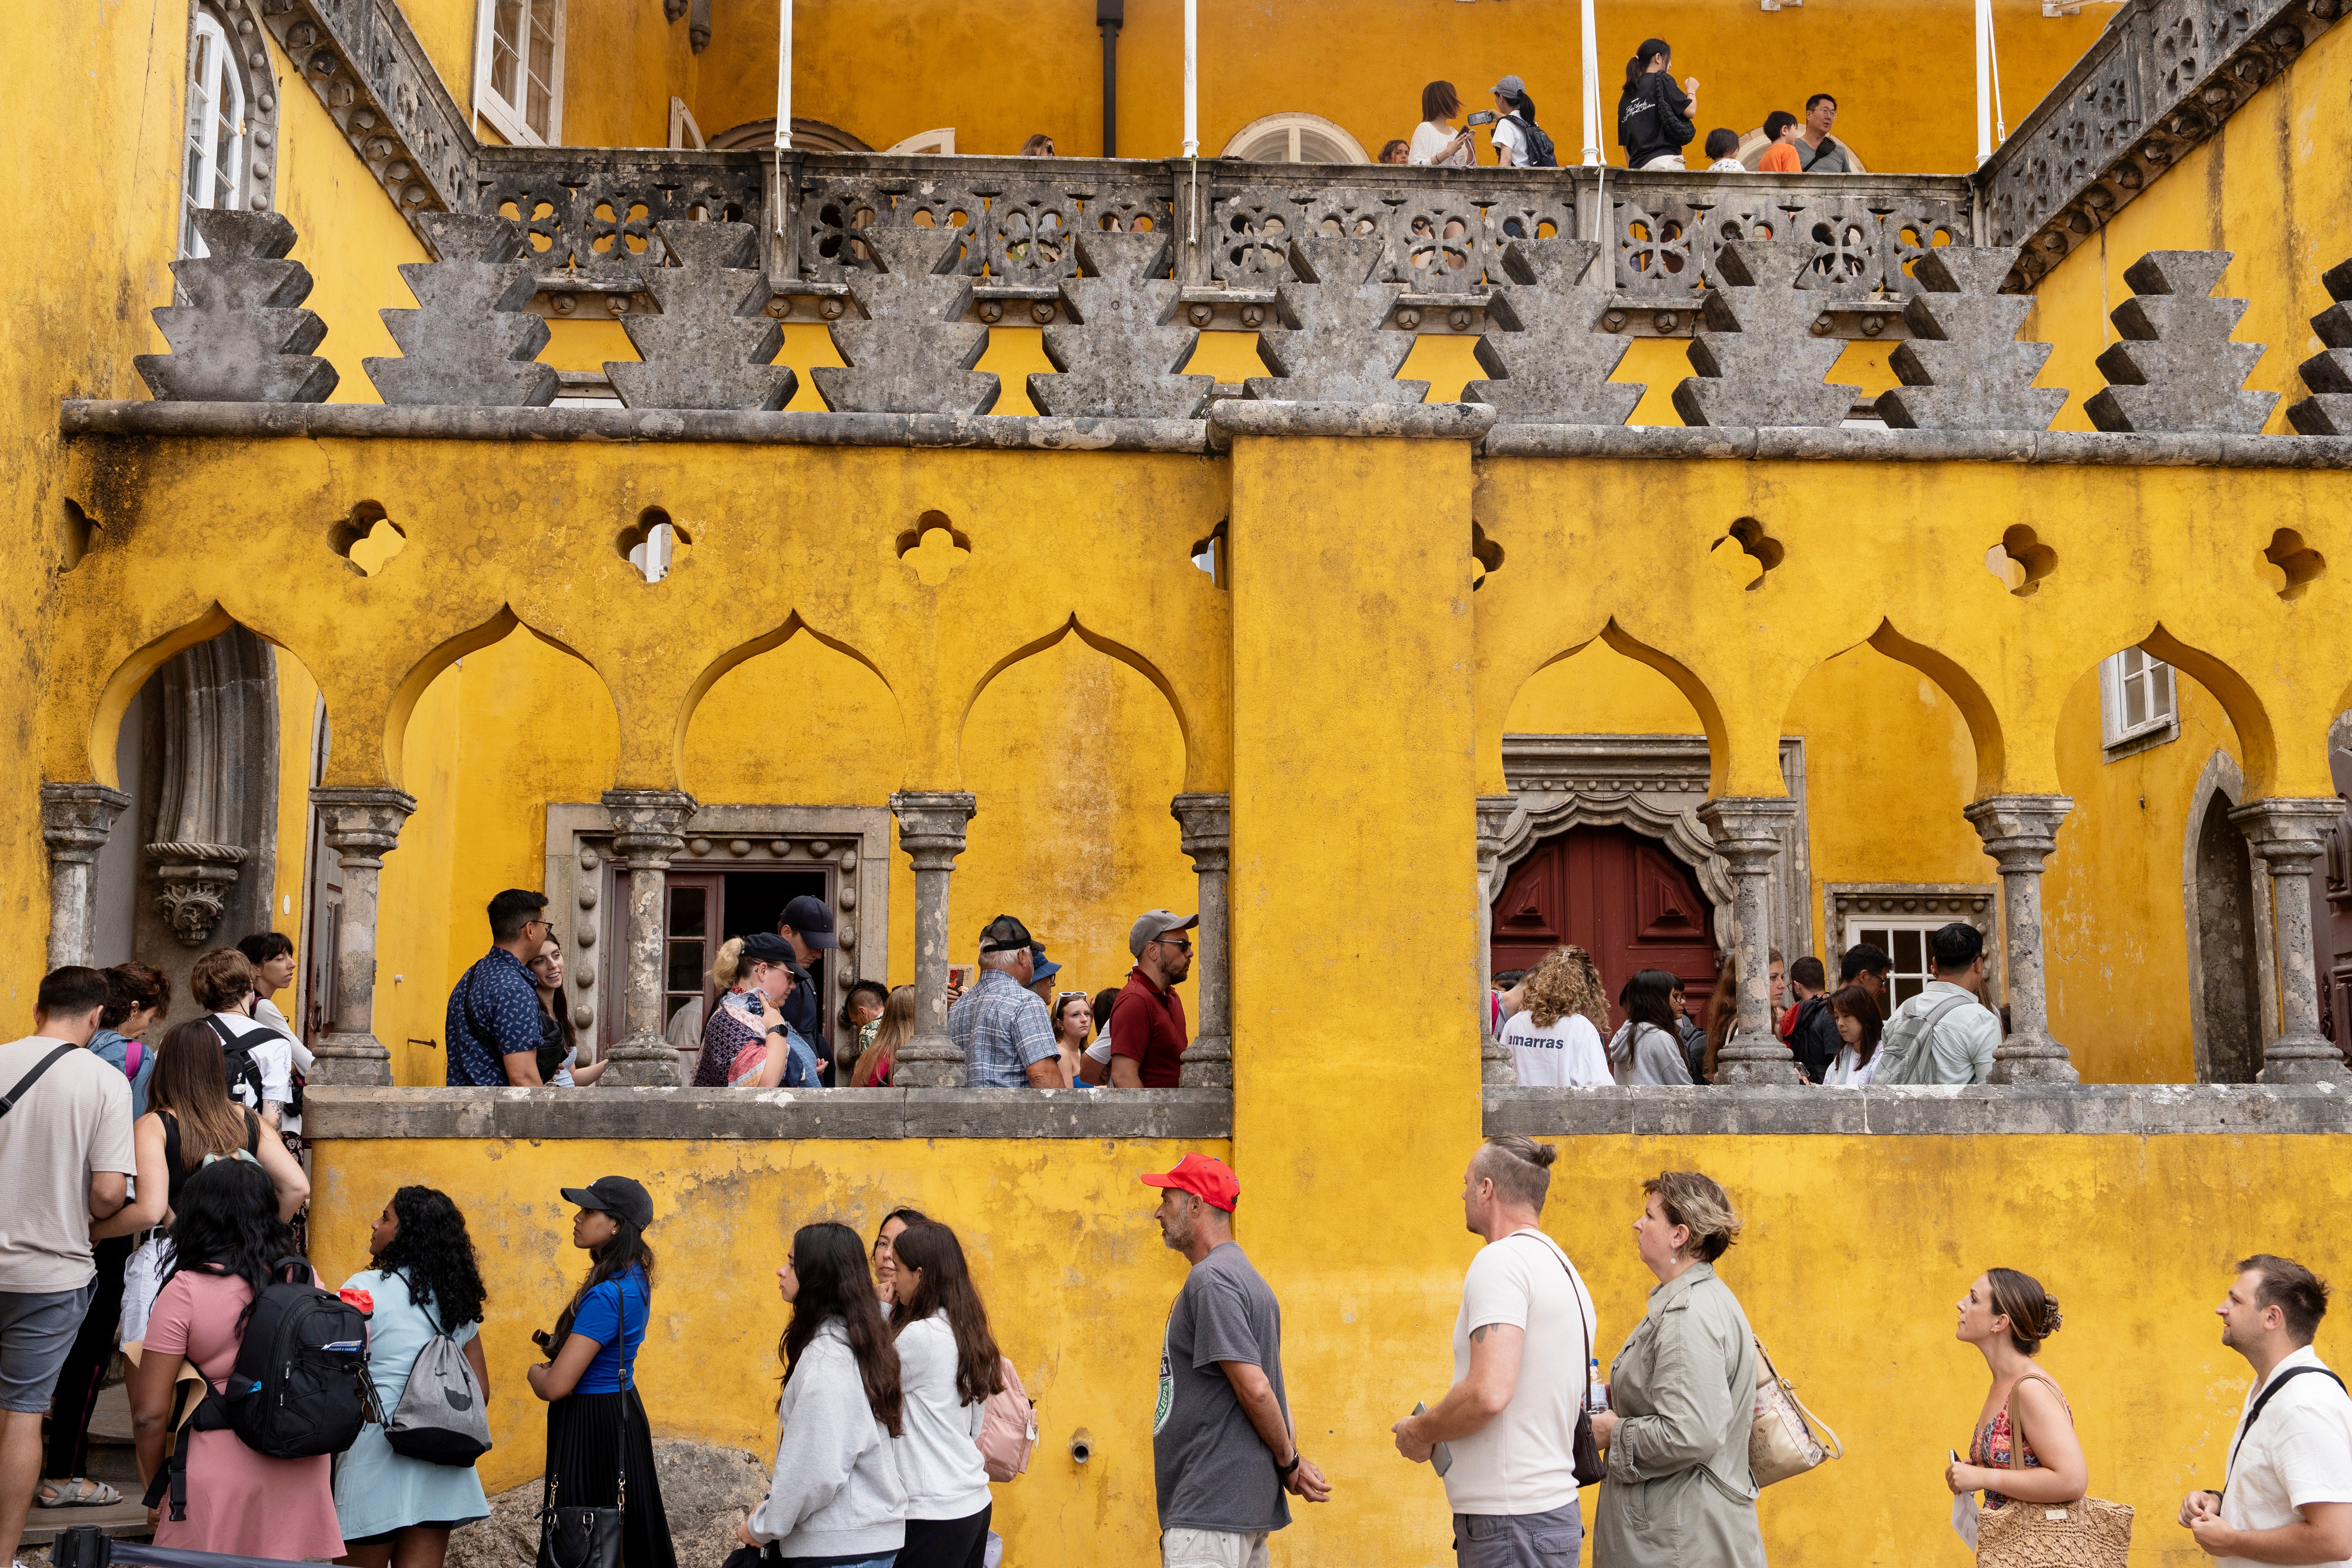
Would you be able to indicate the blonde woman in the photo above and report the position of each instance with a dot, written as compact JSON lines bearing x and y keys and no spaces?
{"x":1556,"y":1040}
{"x":897,"y":1026}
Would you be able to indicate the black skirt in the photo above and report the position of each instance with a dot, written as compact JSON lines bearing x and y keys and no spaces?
{"x":593,"y":1440}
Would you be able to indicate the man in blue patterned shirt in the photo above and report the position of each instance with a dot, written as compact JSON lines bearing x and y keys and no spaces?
{"x":493,"y":1026}
{"x":1000,"y":1026}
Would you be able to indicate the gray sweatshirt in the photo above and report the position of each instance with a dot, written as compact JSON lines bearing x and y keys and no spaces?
{"x":1644,"y":1053}
{"x":835,"y":1492}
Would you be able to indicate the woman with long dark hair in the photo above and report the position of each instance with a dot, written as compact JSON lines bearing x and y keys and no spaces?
{"x":1859,"y":1025}
{"x":886,"y":1258}
{"x":835,"y":1496}
{"x":1645,"y":1048}
{"x":228,"y":1236}
{"x":948,"y":1366}
{"x":1656,"y":117}
{"x":600,"y":1448}
{"x":191,"y":1120}
{"x":397,"y":1511}
{"x":559,"y":1036}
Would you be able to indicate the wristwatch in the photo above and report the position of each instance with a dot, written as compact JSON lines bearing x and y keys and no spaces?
{"x":777,"y":1030}
{"x":1286,"y":1471}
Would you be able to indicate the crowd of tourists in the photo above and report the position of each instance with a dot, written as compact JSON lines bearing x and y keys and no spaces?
{"x":275,"y":1417}
{"x":1553,"y":1018}
{"x":1657,"y":120}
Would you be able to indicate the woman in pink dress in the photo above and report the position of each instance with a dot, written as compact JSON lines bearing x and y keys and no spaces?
{"x":226,"y":1237}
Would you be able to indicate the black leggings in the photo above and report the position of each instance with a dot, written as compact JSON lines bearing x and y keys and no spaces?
{"x":946,"y":1542}
{"x":85,"y":1364}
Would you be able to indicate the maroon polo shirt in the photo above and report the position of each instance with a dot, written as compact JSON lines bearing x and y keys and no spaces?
{"x":1150,"y":1030}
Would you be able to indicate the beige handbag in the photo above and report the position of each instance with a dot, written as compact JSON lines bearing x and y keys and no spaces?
{"x":1782,"y":1443}
{"x":2089,"y":1532}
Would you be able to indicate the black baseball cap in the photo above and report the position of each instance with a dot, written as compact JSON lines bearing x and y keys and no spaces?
{"x":621,"y":1196}
{"x":1004,"y":935}
{"x":766,"y":947}
{"x":811,"y":920}
{"x":1864,"y":958}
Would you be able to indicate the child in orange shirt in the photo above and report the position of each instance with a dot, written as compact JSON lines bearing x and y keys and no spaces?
{"x":1781,"y":128}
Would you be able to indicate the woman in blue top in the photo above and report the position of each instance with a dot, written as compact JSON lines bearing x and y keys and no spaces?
{"x":600,"y":1449}
{"x":397,"y":1511}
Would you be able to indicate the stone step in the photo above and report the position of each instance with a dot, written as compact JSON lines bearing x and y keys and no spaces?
{"x":127,"y":1518}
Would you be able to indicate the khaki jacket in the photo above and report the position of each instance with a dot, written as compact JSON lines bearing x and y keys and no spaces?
{"x":1678,"y":1492}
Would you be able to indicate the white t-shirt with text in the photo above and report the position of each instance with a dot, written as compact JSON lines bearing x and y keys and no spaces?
{"x":2300,"y":1452}
{"x":1569,"y":1053}
{"x":1524,"y":1460}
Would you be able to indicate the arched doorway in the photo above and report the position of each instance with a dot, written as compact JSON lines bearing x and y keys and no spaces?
{"x":1618,"y":894}
{"x":2226,"y":954}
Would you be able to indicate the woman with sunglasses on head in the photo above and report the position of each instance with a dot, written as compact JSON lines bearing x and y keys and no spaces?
{"x":836,"y":1498}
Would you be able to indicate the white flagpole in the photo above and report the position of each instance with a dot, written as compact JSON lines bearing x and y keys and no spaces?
{"x":1191,"y":78}
{"x":1984,"y":81}
{"x":1592,"y":90}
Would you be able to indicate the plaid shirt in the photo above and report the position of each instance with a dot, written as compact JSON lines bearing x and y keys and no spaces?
{"x":1000,"y":1028}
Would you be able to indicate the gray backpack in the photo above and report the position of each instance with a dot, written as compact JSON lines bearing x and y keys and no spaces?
{"x":441,"y":1417}
{"x":1904,"y":1056}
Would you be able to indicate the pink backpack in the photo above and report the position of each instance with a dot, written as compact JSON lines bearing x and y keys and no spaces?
{"x":1008,"y":1427}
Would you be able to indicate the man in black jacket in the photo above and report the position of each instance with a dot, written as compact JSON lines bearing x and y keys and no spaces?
{"x":1812,"y":1034}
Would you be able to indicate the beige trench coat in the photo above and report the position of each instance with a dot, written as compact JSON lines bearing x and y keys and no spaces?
{"x":1678,"y":1492}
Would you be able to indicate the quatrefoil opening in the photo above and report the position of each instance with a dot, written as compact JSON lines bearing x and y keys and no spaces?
{"x":1759,"y":546}
{"x":2021,"y":560}
{"x":933,"y":548}
{"x":367,"y":538}
{"x":653,"y":545}
{"x":1486,"y":553}
{"x":2300,"y":563}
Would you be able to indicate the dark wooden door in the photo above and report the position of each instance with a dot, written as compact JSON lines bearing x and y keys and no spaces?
{"x":1619,"y":896}
{"x":2331,"y":915}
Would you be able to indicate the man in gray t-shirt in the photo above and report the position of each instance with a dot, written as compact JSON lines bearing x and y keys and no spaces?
{"x":1222,"y":1446}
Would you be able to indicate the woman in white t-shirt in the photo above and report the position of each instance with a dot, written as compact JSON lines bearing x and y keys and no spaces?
{"x":1858,"y":1024}
{"x":1435,"y":142}
{"x":1556,"y":1041}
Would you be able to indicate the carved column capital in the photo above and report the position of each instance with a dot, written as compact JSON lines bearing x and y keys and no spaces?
{"x":1207,"y":825}
{"x":362,"y":823}
{"x":74,"y":821}
{"x":1747,"y":834}
{"x":649,"y":825}
{"x":2020,"y":831}
{"x":2289,"y":832}
{"x":932,"y":826}
{"x":1495,"y":1066}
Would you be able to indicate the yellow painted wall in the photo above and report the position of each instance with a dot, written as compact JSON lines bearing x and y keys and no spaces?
{"x":1902,"y":69}
{"x":2269,"y":186}
{"x":1854,"y":1251}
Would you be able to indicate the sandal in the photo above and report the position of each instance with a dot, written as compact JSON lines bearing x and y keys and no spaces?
{"x":79,"y":1492}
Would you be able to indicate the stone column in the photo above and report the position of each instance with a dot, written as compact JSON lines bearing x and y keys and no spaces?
{"x":648,"y":828}
{"x":2288,"y":834}
{"x":1208,"y":824}
{"x":361,"y":824}
{"x":931,"y":831}
{"x":2019,"y":832}
{"x":1746,"y":832}
{"x":75,"y":820}
{"x":1495,"y":1064}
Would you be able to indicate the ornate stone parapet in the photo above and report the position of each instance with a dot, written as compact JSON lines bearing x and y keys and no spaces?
{"x":931,"y":834}
{"x":1207,"y":821}
{"x":1495,"y":1064}
{"x":361,"y":824}
{"x":2019,"y":832}
{"x":76,"y":819}
{"x":383,"y":94}
{"x":648,"y":828}
{"x":2287,"y":833}
{"x":1748,"y":833}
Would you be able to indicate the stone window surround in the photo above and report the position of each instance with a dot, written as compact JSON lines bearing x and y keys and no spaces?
{"x":578,"y":893}
{"x":248,"y":55}
{"x":1979,"y":903}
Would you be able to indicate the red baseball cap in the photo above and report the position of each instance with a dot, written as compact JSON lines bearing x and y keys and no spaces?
{"x":1209,"y":1180}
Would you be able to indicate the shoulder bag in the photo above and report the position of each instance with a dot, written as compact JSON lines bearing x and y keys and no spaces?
{"x":2261,"y":1402}
{"x":1589,"y":1470}
{"x":1782,"y":1443}
{"x":24,"y":1085}
{"x":584,"y":1537}
{"x":2089,"y":1532}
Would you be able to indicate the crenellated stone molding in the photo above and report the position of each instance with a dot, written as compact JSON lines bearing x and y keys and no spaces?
{"x":2023,"y":1110}
{"x":366,"y":66}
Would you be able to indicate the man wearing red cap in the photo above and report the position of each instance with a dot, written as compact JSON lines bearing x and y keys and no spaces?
{"x":1222,"y":1446}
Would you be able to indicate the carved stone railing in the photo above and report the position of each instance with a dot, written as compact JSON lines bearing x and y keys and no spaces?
{"x":2162,"y":78}
{"x":366,"y":63}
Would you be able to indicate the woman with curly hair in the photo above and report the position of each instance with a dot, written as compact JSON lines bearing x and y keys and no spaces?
{"x":1556,"y":1040}
{"x":398,"y":1511}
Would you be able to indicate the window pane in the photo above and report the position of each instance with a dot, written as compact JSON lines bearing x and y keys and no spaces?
{"x":686,"y":913}
{"x":686,"y":967}
{"x":1909,"y":951}
{"x":506,"y":50}
{"x":536,"y":113}
{"x":2135,"y":701}
{"x":2163,"y":700}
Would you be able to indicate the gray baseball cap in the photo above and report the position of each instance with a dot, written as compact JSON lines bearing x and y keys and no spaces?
{"x":1511,"y":87}
{"x":1156,"y":923}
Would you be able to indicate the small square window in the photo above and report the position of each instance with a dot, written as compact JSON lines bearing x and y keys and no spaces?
{"x":2139,"y":703}
{"x":519,"y":69}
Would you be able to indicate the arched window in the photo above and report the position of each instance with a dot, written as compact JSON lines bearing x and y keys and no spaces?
{"x":213,"y":172}
{"x":1294,"y":138}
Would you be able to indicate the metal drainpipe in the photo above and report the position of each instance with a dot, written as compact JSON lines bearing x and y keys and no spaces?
{"x":1110,"y":16}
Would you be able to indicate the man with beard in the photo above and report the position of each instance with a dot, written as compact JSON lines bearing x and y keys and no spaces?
{"x":1148,"y":1050}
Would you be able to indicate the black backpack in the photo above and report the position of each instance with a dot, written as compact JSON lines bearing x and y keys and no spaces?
{"x":243,"y":1070}
{"x":300,"y":1387}
{"x":1542,"y":153}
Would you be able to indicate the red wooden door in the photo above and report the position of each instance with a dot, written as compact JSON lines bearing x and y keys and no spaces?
{"x":1621,"y":897}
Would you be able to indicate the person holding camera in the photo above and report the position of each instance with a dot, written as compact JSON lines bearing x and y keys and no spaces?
{"x":600,"y":1448}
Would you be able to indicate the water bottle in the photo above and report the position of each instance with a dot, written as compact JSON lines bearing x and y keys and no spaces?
{"x":1599,"y":1398}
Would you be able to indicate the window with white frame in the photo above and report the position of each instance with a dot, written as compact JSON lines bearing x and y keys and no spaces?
{"x":1294,"y":138}
{"x":213,"y":172}
{"x":1904,"y":942}
{"x":2138,"y":702}
{"x":519,"y":69}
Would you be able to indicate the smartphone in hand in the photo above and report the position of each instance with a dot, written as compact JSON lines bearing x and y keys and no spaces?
{"x":1481,"y":117}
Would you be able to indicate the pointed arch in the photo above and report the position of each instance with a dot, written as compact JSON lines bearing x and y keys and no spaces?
{"x":742,"y":653}
{"x":425,"y":670}
{"x":1693,"y":691}
{"x":1100,"y":644}
{"x":2249,"y":716}
{"x":132,"y":674}
{"x":1976,"y":707}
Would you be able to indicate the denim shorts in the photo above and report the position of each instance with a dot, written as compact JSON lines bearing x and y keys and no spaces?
{"x":1519,"y":1540}
{"x":36,"y":1329}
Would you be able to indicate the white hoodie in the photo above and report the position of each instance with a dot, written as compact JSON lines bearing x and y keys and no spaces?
{"x":938,"y":1458}
{"x":835,"y":1492}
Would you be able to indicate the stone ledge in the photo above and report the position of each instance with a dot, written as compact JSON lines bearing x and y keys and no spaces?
{"x":2083,"y":447}
{"x":699,"y":1114}
{"x":78,"y":417}
{"x":1412,"y":420}
{"x":2122,"y":1110}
